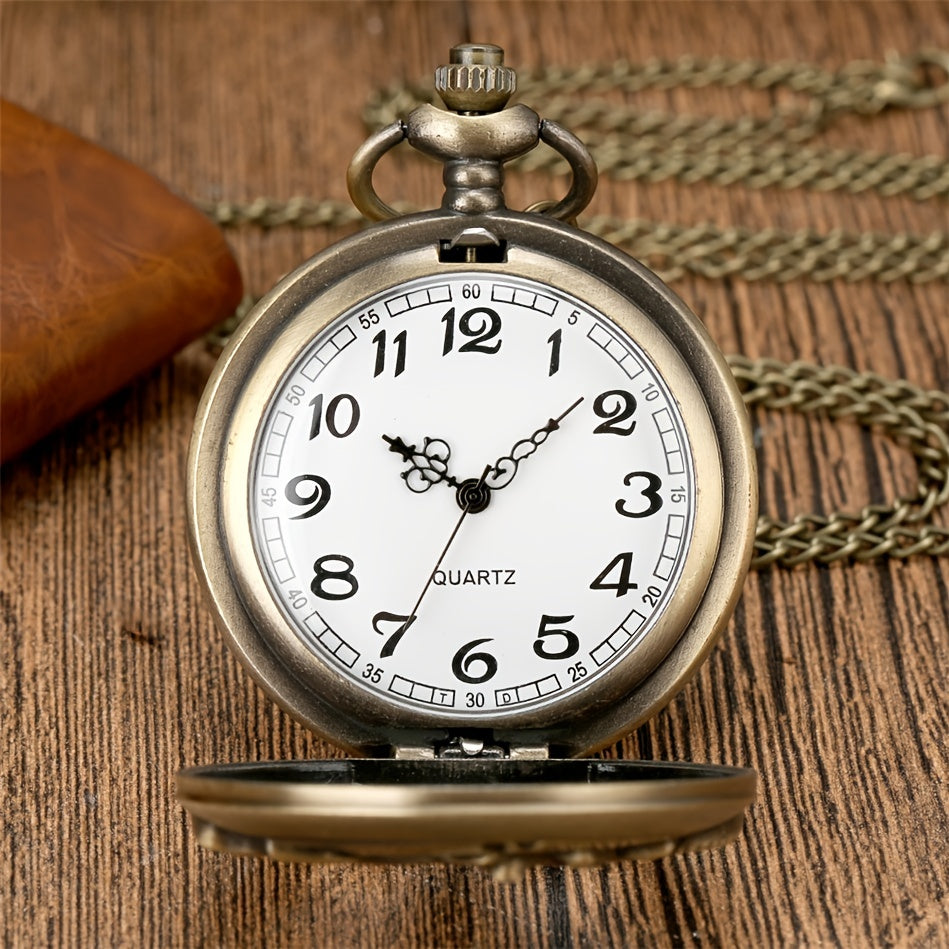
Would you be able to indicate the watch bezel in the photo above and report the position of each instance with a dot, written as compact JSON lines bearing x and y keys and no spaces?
{"x":254,"y":363}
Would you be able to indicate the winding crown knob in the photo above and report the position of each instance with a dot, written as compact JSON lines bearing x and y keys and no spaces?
{"x":476,"y":79}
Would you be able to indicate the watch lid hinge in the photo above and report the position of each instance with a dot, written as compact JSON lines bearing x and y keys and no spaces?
{"x":457,"y":747}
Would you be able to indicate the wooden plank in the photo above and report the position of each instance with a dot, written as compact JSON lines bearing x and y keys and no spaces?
{"x":828,"y":681}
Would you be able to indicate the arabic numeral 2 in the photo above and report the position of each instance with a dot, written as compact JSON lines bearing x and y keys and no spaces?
{"x":479,"y":325}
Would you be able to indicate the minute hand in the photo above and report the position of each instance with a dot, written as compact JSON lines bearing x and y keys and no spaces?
{"x":503,"y":470}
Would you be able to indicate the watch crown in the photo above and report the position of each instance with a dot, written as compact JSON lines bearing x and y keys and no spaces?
{"x":476,"y":79}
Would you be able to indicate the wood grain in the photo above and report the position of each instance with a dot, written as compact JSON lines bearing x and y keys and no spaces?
{"x":829,"y":681}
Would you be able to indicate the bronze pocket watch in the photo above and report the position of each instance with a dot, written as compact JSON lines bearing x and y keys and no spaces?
{"x":471,"y":493}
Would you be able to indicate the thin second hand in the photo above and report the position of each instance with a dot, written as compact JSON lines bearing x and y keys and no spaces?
{"x":461,"y":521}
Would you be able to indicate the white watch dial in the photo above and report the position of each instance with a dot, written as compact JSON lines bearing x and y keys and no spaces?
{"x":382,"y":442}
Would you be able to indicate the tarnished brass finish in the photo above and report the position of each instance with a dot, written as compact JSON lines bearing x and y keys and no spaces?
{"x":287,"y":319}
{"x":504,"y":816}
{"x":474,"y":141}
{"x":491,"y":788}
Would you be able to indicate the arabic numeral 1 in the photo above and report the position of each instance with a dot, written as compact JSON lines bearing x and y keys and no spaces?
{"x":399,"y":341}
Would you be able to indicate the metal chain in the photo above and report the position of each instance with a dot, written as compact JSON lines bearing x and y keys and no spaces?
{"x":629,"y":144}
{"x":650,"y":146}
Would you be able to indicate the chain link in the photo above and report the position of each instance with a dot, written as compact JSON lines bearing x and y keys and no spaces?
{"x":756,"y":152}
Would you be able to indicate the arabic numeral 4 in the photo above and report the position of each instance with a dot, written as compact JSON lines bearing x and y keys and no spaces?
{"x":620,"y":567}
{"x":577,"y":671}
{"x":297,"y":599}
{"x":268,"y":496}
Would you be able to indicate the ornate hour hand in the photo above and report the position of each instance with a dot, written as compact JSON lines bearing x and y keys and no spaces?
{"x":503,"y":470}
{"x":428,"y":464}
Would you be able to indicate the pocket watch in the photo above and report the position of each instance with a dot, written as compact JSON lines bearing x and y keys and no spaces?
{"x":471,"y":494}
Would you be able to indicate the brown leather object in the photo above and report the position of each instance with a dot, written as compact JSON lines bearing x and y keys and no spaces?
{"x":104,"y":274}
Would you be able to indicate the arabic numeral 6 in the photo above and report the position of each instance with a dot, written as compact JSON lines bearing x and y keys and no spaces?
{"x":372,"y":673}
{"x":268,"y":496}
{"x":294,"y":394}
{"x":577,"y":671}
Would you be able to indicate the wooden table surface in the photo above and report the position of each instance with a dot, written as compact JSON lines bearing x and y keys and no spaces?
{"x":831,"y":682}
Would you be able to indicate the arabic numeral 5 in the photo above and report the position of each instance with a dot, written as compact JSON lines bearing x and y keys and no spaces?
{"x":369,"y":318}
{"x":294,"y":394}
{"x":577,"y":671}
{"x":373,"y":673}
{"x":268,"y":496}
